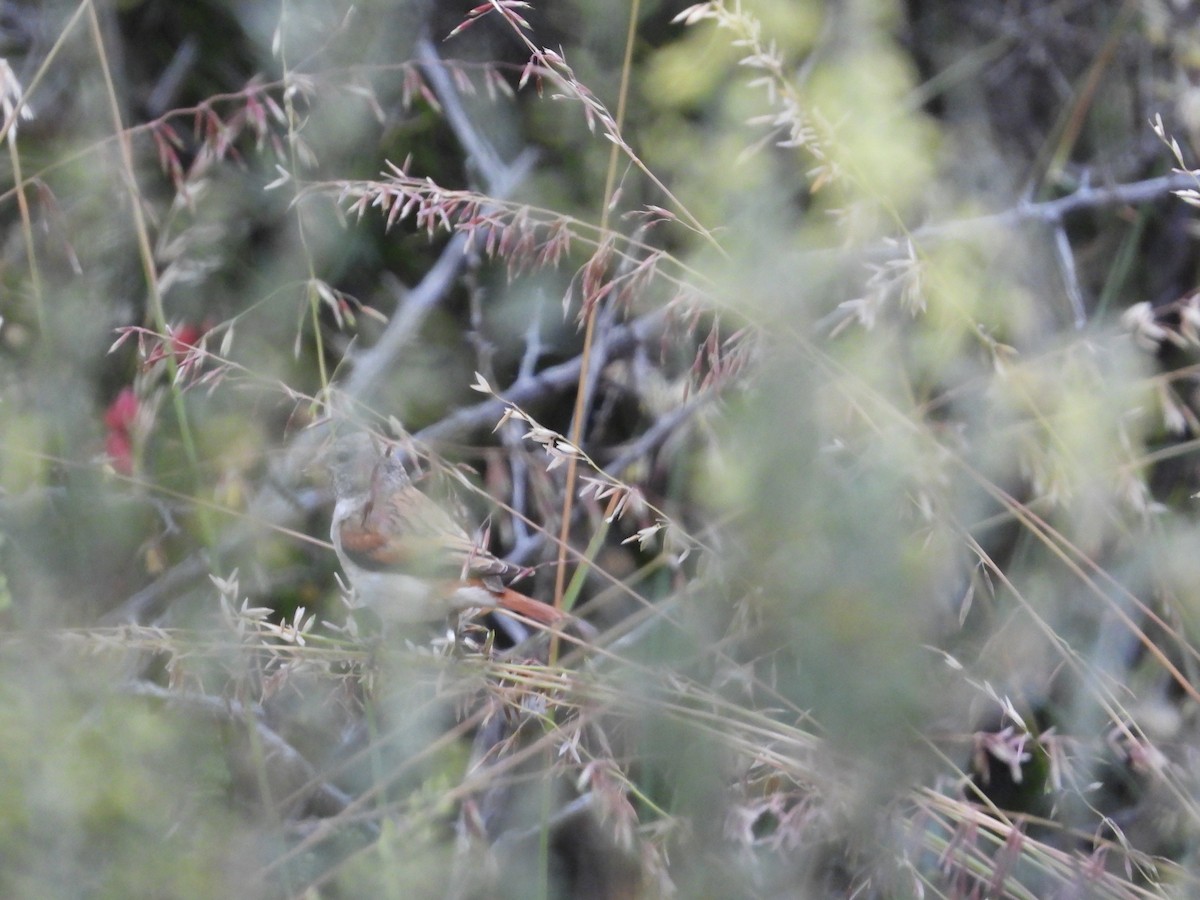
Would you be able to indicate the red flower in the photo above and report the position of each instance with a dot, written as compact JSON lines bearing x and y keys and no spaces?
{"x":182,"y":339}
{"x":185,"y":338}
{"x":118,"y":419}
{"x":118,"y":446}
{"x":120,"y":413}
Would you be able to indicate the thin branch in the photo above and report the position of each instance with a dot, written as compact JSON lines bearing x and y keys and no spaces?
{"x":1052,"y":211}
{"x":1049,"y":212}
{"x":371,"y":366}
{"x":1066,"y":264}
{"x":621,"y":341}
{"x":512,"y":436}
{"x":656,"y":434}
{"x":500,"y":179}
{"x":479,"y":150}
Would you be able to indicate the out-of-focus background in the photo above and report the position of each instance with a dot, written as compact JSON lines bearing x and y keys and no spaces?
{"x":855,"y":343}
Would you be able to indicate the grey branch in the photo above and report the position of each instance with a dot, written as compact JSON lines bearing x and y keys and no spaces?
{"x":500,"y":179}
{"x":622,"y":340}
{"x":1052,"y":212}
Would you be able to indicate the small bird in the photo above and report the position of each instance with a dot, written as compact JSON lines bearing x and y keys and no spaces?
{"x":404,"y":555}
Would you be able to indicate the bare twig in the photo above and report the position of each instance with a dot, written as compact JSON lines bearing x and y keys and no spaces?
{"x":511,"y":435}
{"x":162,"y":98}
{"x":371,"y":366}
{"x":656,"y":434}
{"x":622,"y":340}
{"x":1048,"y":212}
{"x":479,"y":150}
{"x":1053,"y":211}
{"x":1066,"y":264}
{"x":500,"y":179}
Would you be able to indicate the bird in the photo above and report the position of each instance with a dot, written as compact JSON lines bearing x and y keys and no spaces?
{"x":403,"y":554}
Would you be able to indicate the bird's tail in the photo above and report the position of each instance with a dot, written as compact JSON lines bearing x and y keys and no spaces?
{"x":476,"y":592}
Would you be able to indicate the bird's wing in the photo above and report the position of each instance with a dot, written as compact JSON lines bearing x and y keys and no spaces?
{"x":404,"y":530}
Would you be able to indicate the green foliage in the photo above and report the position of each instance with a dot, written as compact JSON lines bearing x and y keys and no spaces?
{"x":854,"y":342}
{"x":105,"y":795}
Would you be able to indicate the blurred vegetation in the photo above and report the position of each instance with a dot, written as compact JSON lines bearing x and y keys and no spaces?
{"x":855,"y":342}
